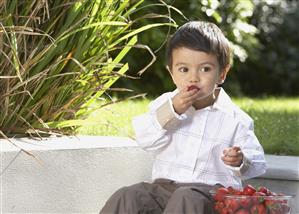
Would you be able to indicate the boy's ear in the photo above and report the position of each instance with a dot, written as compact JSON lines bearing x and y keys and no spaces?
{"x":223,"y":74}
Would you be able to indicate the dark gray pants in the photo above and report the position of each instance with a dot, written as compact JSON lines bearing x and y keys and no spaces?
{"x":162,"y":196}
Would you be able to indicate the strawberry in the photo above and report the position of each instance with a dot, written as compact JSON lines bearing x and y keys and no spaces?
{"x":220,"y":193}
{"x":192,"y":87}
{"x":264,"y":190}
{"x":231,"y":190}
{"x":269,"y":203}
{"x":238,"y":192}
{"x":226,"y":210}
{"x":249,"y":190}
{"x":219,"y":205}
{"x":245,"y":202}
{"x":258,"y":209}
{"x":258,"y":198}
{"x":219,"y":197}
{"x":232,"y":204}
{"x":222,"y":190}
{"x":242,"y":211}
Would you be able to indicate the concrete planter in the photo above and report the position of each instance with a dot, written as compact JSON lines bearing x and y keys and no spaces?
{"x":78,"y":174}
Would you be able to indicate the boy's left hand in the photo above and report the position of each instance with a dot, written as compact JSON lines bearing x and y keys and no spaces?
{"x":232,"y":156}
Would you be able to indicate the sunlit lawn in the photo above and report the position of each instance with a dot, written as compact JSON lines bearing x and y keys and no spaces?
{"x":276,"y":121}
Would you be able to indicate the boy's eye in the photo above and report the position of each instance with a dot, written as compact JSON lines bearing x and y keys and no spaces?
{"x":205,"y":69}
{"x":183,"y":69}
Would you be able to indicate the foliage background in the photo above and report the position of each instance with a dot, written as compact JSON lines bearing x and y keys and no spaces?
{"x":264,"y":37}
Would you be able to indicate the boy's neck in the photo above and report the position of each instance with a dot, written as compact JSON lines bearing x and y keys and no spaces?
{"x":208,"y":101}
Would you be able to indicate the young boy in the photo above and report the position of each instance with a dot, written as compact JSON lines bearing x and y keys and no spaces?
{"x":199,"y":138}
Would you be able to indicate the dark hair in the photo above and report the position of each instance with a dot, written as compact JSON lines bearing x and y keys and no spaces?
{"x":200,"y":36}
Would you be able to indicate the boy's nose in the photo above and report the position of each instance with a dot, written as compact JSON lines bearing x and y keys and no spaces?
{"x":194,"y":77}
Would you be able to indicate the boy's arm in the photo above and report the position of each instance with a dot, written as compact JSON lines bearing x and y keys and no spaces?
{"x":152,"y":128}
{"x":253,"y":163}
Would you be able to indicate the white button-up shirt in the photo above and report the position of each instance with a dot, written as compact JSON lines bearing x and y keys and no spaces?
{"x":188,"y":147}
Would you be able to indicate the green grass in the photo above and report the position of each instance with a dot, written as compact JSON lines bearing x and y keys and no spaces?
{"x":276,"y":121}
{"x":115,"y":119}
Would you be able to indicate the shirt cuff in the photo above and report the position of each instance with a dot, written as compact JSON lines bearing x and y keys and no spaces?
{"x":240,"y":170}
{"x":167,"y":117}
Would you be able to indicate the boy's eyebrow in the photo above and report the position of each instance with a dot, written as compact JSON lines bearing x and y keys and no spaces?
{"x":183,"y":63}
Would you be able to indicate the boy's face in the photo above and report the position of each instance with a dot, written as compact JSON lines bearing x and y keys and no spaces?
{"x":190,"y":67}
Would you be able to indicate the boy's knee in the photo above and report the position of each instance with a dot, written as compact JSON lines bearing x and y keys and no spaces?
{"x":182,"y":192}
{"x":191,"y":193}
{"x":131,"y":192}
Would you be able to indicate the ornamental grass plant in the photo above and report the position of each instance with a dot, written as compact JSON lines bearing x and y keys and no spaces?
{"x":57,"y":58}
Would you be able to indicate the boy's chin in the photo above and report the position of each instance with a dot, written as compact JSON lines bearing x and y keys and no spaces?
{"x":203,"y":97}
{"x":207,"y":96}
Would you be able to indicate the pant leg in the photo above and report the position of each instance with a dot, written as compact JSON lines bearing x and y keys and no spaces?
{"x":194,"y":199}
{"x":141,"y":198}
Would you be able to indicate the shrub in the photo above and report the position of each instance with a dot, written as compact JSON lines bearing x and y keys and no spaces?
{"x":58,"y":57}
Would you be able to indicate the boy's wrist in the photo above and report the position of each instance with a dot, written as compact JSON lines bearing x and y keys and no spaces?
{"x":175,"y":106}
{"x":167,"y":117}
{"x":240,"y":170}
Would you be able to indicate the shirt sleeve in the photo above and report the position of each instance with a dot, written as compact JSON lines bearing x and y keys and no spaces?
{"x":254,"y":163}
{"x":152,"y":129}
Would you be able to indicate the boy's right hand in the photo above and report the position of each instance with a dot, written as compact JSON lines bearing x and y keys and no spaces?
{"x":184,"y":99}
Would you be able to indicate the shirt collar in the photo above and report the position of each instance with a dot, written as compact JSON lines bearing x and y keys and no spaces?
{"x":223,"y":102}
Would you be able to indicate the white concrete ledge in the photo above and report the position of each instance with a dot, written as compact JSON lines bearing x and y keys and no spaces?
{"x":282,"y":167}
{"x":78,"y":174}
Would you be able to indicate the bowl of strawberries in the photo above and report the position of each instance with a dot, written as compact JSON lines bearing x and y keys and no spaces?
{"x":251,"y":200}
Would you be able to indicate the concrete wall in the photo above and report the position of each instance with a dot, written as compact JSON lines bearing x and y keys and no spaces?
{"x":77,"y":175}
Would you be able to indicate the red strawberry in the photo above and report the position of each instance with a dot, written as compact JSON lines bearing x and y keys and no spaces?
{"x":259,"y":197}
{"x":192,"y":87}
{"x":242,"y":211}
{"x":264,"y":190}
{"x":219,"y":205}
{"x":245,"y":202}
{"x":231,"y":190}
{"x":258,"y":209}
{"x":220,"y":193}
{"x":226,"y":210}
{"x":222,"y":190}
{"x":249,"y":190}
{"x":232,"y":204}
{"x":269,"y":203}
{"x":238,"y":192}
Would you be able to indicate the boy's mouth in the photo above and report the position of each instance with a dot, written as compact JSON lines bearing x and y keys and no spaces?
{"x":192,"y":87}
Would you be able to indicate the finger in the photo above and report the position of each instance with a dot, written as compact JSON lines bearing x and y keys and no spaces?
{"x":232,"y":159}
{"x":236,"y":148}
{"x":234,"y":151}
{"x":232,"y":163}
{"x":185,"y":96}
{"x":195,"y":95}
{"x":188,"y":97}
{"x":225,"y":151}
{"x":234,"y":154}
